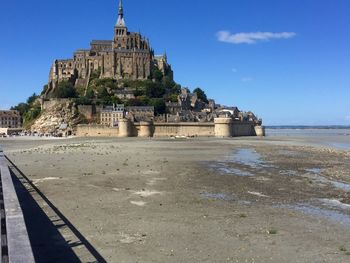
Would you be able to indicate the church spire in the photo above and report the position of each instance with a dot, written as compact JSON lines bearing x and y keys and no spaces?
{"x":120,"y":21}
{"x":121,"y":12}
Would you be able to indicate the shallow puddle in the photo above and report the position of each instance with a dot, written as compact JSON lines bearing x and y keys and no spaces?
{"x":225,"y":197}
{"x":244,"y":202}
{"x":333,"y":215}
{"x":218,"y":196}
{"x":248,"y":157}
{"x":331,"y":209}
{"x":289,"y":172}
{"x":335,"y":204}
{"x":288,"y":153}
{"x":341,"y":146}
{"x":341,"y":185}
{"x":314,"y":170}
{"x":226,"y":169}
{"x":245,"y":156}
{"x":316,"y":175}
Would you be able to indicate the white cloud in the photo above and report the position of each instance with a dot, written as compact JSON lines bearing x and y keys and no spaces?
{"x":252,"y":37}
{"x":347,"y":118}
{"x":234,"y":70}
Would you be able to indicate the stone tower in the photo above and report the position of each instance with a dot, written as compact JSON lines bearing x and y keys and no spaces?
{"x":120,"y":28}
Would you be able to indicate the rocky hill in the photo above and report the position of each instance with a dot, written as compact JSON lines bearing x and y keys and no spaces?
{"x":58,"y":115}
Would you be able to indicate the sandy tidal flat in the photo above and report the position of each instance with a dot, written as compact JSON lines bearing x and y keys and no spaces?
{"x":196,"y":200}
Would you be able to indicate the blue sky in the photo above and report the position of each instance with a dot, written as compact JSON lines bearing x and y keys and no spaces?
{"x":286,"y":60}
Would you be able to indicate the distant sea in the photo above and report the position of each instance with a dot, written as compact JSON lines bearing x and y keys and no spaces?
{"x":332,"y":136}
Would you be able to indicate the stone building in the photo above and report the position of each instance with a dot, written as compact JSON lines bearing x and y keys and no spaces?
{"x":161,"y":62}
{"x":173,"y":108}
{"x":140,"y":113}
{"x":189,"y":108}
{"x":128,"y":56}
{"x":124,"y":94}
{"x":10,"y":119}
{"x":110,"y":115}
{"x":232,"y":112}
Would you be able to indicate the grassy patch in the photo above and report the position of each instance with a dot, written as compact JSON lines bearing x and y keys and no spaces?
{"x":272,"y":232}
{"x":342,"y":248}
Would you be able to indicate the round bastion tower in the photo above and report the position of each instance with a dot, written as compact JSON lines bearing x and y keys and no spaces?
{"x":223,"y":127}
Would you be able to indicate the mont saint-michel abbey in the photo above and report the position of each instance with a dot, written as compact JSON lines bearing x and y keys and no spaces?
{"x":127,"y":56}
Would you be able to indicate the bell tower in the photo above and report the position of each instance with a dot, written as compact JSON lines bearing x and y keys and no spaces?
{"x":120,"y":28}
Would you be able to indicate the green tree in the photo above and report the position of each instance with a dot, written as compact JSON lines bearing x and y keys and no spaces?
{"x":172,"y":97}
{"x":90,"y":94}
{"x":31,"y":115}
{"x":139,"y":92}
{"x":159,"y":105}
{"x":144,"y":100}
{"x":134,"y":102}
{"x":154,"y":90}
{"x":45,"y":88}
{"x":135,"y":84}
{"x":156,"y":74}
{"x":103,"y":96}
{"x":106,"y":83}
{"x":80,"y":90}
{"x":176,"y":88}
{"x":116,"y":100}
{"x":64,"y":89}
{"x":95,"y":74}
{"x":168,"y":83}
{"x":32,"y":98}
{"x":201,"y":94}
{"x":83,"y":101}
{"x":22,"y":108}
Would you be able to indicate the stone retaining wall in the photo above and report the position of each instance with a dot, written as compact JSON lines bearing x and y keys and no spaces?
{"x":222,"y":127}
{"x":184,"y":129}
{"x":96,"y":131}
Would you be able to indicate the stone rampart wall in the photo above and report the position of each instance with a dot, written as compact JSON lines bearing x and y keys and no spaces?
{"x":184,"y":129}
{"x":195,"y":129}
{"x":86,"y":111}
{"x":96,"y":131}
{"x":242,"y":129}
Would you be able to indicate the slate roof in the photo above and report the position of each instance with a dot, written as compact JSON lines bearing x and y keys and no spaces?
{"x":101,"y":42}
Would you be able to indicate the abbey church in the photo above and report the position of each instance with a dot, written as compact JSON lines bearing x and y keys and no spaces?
{"x":127,"y":56}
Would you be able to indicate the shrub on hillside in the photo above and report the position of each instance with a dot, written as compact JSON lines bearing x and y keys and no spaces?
{"x":64,"y":89}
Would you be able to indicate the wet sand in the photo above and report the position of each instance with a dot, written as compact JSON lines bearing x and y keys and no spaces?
{"x":273,"y":199}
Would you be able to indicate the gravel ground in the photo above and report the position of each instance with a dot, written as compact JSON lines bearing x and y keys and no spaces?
{"x":196,"y":200}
